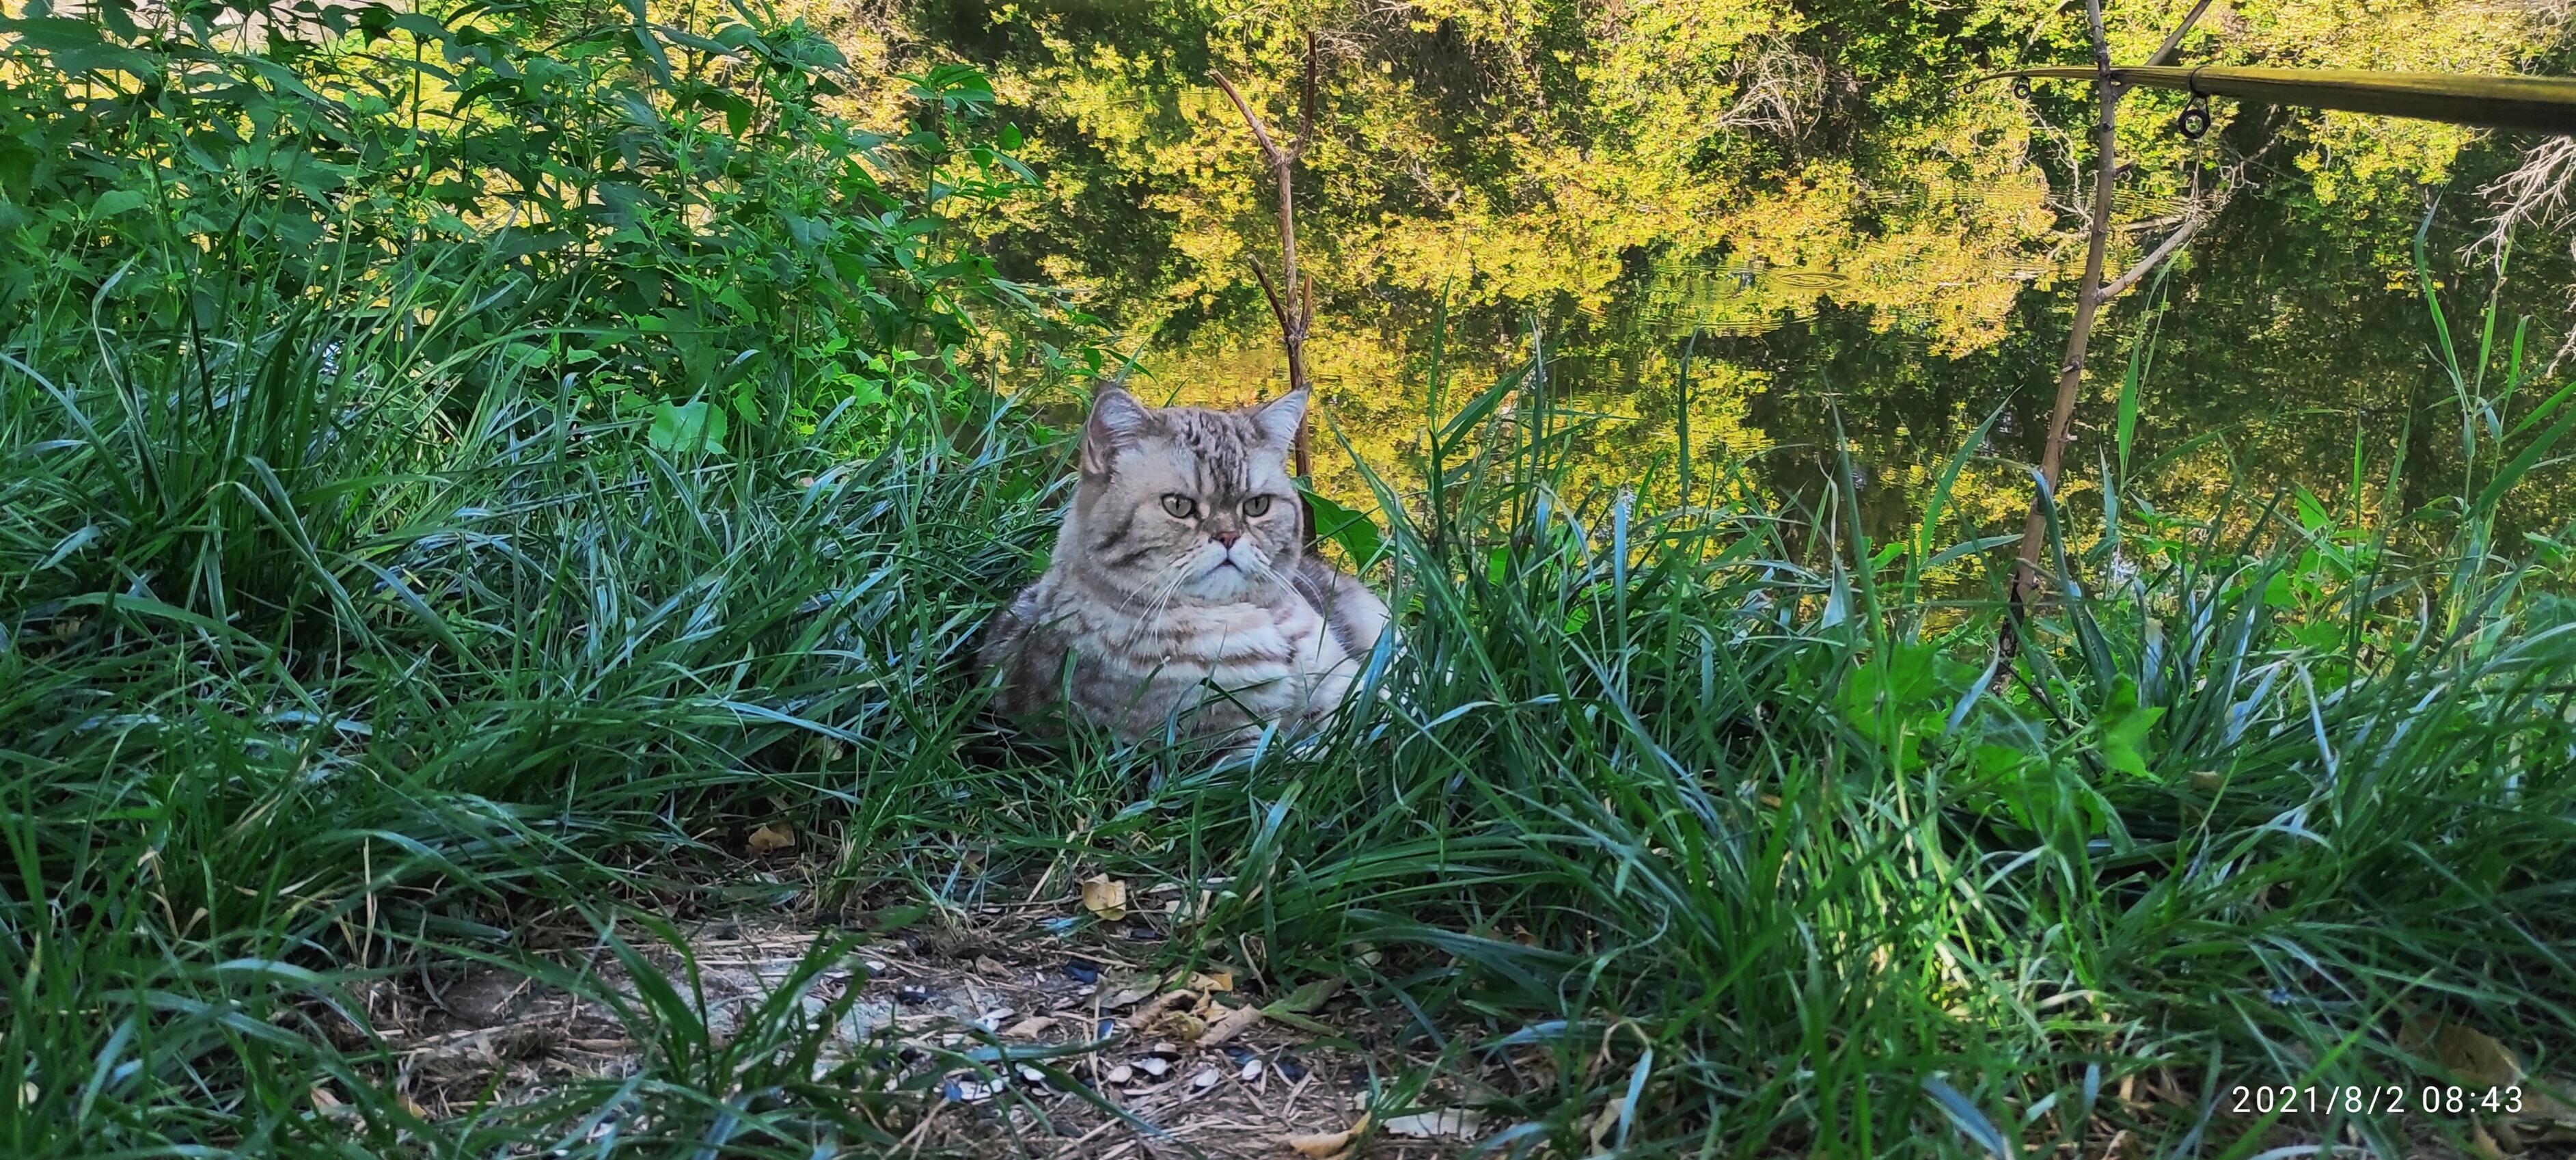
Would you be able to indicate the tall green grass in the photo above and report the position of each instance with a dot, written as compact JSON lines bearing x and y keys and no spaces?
{"x":1678,"y":831}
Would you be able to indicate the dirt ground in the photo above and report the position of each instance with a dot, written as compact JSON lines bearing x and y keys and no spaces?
{"x":1129,"y":1064}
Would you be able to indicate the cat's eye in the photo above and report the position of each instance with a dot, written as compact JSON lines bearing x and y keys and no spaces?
{"x":1182,"y":507}
{"x":1257,"y":507}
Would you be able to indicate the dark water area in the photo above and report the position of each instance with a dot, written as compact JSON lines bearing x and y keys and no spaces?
{"x":2282,"y":359}
{"x":1764,"y":253}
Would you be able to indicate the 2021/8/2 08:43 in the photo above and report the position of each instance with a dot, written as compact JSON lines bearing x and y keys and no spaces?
{"x":2393,"y":1100}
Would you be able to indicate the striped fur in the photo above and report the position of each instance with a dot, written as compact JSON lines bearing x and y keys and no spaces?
{"x":1179,"y":596}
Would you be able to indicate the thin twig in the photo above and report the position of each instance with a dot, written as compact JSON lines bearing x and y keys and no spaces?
{"x":2173,"y":40}
{"x":2138,"y":272}
{"x":1296,"y":315}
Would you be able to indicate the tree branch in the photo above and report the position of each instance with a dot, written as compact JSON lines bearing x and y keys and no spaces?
{"x":2173,"y":40}
{"x":1296,"y":314}
{"x":2130,"y":279}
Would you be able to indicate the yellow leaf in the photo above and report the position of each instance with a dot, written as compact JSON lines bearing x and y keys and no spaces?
{"x":1212,"y":981}
{"x":1326,"y":1144}
{"x":772,"y":837}
{"x":1105,"y":896}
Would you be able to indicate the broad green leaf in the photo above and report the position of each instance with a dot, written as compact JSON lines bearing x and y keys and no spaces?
{"x":117,"y":201}
{"x":2124,"y":729}
{"x":687,"y":427}
{"x":1355,"y":532}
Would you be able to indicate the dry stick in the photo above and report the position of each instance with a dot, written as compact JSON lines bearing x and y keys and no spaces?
{"x":2070,"y":371}
{"x":1296,"y":314}
{"x":2089,"y":297}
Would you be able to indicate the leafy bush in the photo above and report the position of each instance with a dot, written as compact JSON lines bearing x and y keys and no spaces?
{"x":657,"y":215}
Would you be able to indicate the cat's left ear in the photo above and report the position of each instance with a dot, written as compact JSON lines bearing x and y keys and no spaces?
{"x":1117,"y":421}
{"x":1278,"y":418}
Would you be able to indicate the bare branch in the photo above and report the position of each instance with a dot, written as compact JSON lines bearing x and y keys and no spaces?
{"x":1296,"y":313}
{"x":2129,"y":280}
{"x":2173,"y":40}
{"x":1306,"y":107}
{"x":1261,"y":133}
{"x":1278,"y":313}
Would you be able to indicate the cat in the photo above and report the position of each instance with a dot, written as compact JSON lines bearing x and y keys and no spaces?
{"x":1180,"y":593}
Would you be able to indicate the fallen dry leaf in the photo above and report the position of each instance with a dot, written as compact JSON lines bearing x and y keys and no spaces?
{"x":1212,"y":981}
{"x":772,"y":837}
{"x":1105,"y":896}
{"x":1031,"y":1027}
{"x":1229,"y":1025}
{"x":1144,"y":1016}
{"x":1459,"y":1122}
{"x":2474,"y":1055}
{"x":1322,"y":1145}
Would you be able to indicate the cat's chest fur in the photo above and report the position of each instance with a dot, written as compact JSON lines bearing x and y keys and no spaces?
{"x":1243,"y":649}
{"x":1209,"y":667}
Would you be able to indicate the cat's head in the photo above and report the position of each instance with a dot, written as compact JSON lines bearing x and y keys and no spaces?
{"x":1186,"y":503}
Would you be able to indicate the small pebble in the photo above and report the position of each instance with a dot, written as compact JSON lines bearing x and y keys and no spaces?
{"x":1121,"y":1073}
{"x":1251,"y":1070}
{"x":1154,"y":1066}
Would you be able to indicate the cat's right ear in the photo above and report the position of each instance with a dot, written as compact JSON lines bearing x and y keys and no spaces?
{"x":1117,"y":421}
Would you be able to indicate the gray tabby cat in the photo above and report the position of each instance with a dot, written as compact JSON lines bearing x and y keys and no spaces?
{"x":1180,"y":589}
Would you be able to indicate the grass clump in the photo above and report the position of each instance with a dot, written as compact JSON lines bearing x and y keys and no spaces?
{"x":353,"y":630}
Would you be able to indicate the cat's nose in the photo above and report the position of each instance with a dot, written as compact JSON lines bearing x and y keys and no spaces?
{"x":1226,"y":538}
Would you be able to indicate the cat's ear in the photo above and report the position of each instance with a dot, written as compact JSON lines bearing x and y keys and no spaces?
{"x":1278,"y":418}
{"x":1117,"y":421}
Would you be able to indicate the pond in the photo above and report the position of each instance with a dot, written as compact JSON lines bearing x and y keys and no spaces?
{"x":1842,"y":247}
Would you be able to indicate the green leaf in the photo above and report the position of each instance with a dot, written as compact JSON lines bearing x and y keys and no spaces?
{"x":687,"y":427}
{"x":116,"y":201}
{"x":1355,"y":532}
{"x":2124,"y":729}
